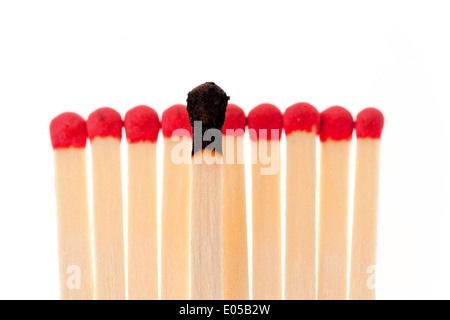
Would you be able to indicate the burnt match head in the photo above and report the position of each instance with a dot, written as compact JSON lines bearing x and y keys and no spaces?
{"x":207,"y":103}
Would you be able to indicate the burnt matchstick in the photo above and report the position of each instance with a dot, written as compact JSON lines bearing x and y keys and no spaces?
{"x":235,"y":250}
{"x":206,"y":106}
{"x":68,"y":136}
{"x":301,"y":124}
{"x":336,"y":128}
{"x":265,"y":123}
{"x":104,"y":128}
{"x":142,"y":127}
{"x":369,"y":125}
{"x":175,"y":204}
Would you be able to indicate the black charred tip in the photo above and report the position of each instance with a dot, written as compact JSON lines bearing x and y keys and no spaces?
{"x":207,"y":103}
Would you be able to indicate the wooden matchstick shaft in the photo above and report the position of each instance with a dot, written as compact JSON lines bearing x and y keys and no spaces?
{"x":108,"y":219}
{"x":142,"y":228}
{"x":206,"y":229}
{"x":300,"y":276}
{"x":75,"y":260}
{"x":175,"y":224}
{"x":235,"y":255}
{"x":333,"y":220}
{"x":365,"y":220}
{"x":266,"y":225}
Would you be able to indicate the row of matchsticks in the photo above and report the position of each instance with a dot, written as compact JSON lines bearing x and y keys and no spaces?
{"x":204,"y":251}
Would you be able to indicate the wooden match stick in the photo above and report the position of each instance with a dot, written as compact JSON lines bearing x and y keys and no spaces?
{"x":235,"y":255}
{"x":336,"y":128}
{"x":68,"y":136}
{"x":301,"y":124}
{"x":104,"y":128}
{"x":142,"y":127}
{"x":175,"y":204}
{"x":206,"y":106}
{"x":265,"y":123}
{"x":369,"y":125}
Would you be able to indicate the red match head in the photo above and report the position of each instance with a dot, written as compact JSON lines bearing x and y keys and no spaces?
{"x":68,"y":130}
{"x":369,"y":123}
{"x":336,"y":123}
{"x":262,"y":120}
{"x":301,"y":117}
{"x":235,"y":121}
{"x":175,"y":118}
{"x":141,"y":124}
{"x":104,"y":122}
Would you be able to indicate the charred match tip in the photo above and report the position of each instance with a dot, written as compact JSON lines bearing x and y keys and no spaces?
{"x":336,"y":123}
{"x":207,"y":104}
{"x":141,"y":124}
{"x":175,"y":121}
{"x":301,"y":117}
{"x":264,"y":118}
{"x":68,"y":130}
{"x":369,"y":123}
{"x":104,"y":122}
{"x":235,"y":121}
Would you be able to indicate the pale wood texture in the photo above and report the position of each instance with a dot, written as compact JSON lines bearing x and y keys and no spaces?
{"x":175,"y":224}
{"x":74,"y":243}
{"x":142,"y":228}
{"x":364,"y":238}
{"x":206,"y":249}
{"x":300,"y":261}
{"x":108,"y":219}
{"x":235,"y":254}
{"x":333,"y":220}
{"x":266,"y":225}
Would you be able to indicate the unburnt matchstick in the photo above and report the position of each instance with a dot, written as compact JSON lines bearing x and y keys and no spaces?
{"x":142,"y":127}
{"x":175,"y":204}
{"x":301,"y":124}
{"x":104,"y":128}
{"x":369,"y":125}
{"x":206,"y":106}
{"x":265,"y":123}
{"x":68,"y":136}
{"x":235,"y":250}
{"x":336,"y":128}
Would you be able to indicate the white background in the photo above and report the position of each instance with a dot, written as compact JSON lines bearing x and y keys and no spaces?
{"x":58,"y":56}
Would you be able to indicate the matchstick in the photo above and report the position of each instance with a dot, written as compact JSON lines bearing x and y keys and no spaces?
{"x":265,"y":123}
{"x":175,"y":204}
{"x":336,"y":128}
{"x":142,"y":127}
{"x":301,"y":124}
{"x":68,"y":136}
{"x":104,"y":128}
{"x":369,"y":125}
{"x":235,"y":256}
{"x":206,"y":106}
